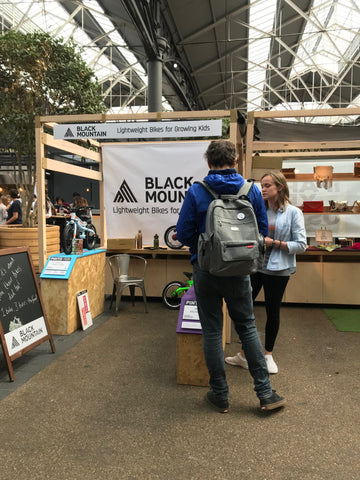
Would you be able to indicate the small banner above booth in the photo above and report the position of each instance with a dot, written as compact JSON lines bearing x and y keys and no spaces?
{"x":139,"y":130}
{"x":145,"y":185}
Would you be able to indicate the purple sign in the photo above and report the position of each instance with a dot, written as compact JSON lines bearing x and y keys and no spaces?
{"x":188,"y":320}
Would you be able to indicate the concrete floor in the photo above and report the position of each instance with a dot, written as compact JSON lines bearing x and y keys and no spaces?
{"x":107,"y":406}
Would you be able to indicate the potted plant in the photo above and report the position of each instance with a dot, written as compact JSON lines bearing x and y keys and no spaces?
{"x":39,"y":75}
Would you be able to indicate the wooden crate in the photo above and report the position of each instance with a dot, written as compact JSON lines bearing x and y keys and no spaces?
{"x":120,"y":243}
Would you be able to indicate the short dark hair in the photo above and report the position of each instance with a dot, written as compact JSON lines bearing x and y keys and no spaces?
{"x":76,"y":194}
{"x":14,"y":193}
{"x":221,"y":153}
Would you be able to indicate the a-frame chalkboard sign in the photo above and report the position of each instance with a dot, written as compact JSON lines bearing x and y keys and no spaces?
{"x":23,"y":322}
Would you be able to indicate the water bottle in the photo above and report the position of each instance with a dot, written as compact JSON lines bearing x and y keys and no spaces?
{"x":156,"y":240}
{"x":139,"y":239}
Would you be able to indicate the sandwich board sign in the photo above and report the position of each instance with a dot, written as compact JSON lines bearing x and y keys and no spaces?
{"x":23,"y":322}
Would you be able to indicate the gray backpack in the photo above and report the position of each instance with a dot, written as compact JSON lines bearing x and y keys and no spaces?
{"x":231,"y":244}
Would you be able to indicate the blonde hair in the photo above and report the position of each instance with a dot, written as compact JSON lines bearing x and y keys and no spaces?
{"x":80,"y":202}
{"x":280,"y":181}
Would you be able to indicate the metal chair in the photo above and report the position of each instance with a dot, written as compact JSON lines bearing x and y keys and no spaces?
{"x":119,"y":266}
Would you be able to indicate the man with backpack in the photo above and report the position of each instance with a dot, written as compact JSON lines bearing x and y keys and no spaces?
{"x":235,"y":289}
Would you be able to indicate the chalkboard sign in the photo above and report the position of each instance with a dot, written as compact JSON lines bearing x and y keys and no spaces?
{"x":23,"y":323}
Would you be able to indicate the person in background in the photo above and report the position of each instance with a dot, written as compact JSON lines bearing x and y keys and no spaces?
{"x":14,"y":210}
{"x":81,"y":205}
{"x":61,"y":204}
{"x":4,"y":201}
{"x":34,"y":202}
{"x":80,"y":202}
{"x":286,"y":237}
{"x":49,"y":206}
{"x":211,"y":290}
{"x":74,"y":195}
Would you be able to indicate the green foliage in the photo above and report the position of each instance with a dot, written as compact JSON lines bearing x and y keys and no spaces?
{"x":39,"y":75}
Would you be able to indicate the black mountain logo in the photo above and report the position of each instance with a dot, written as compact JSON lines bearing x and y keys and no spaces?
{"x":124,"y":194}
{"x":14,"y":343}
{"x":68,"y":133}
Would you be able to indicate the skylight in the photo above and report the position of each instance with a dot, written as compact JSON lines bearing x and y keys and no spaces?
{"x":328,"y":37}
{"x":260,"y":27}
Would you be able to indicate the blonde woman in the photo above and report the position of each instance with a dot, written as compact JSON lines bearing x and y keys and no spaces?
{"x":286,"y":238}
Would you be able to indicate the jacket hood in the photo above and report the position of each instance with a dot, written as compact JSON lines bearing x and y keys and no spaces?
{"x":225,"y":181}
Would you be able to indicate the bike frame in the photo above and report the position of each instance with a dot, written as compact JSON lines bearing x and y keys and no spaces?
{"x":182,"y":289}
{"x":80,"y":226}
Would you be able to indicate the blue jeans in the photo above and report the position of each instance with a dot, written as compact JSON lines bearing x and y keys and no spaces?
{"x":236,"y":291}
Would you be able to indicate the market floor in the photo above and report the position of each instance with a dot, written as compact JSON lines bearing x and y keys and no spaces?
{"x":107,"y":406}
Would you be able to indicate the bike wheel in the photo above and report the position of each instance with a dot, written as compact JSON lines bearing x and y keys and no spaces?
{"x":90,"y":238}
{"x":67,"y":241}
{"x":171,"y":240}
{"x":171,"y":297}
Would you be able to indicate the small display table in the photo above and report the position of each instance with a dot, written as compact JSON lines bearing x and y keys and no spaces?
{"x":190,"y":361}
{"x":62,"y":278}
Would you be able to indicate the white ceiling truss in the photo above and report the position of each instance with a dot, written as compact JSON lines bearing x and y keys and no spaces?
{"x":242,"y":54}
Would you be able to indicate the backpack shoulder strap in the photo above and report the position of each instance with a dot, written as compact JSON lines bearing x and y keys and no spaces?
{"x":209,"y":189}
{"x":246,"y":188}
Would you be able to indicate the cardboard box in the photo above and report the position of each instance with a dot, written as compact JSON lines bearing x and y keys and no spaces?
{"x":121,"y":243}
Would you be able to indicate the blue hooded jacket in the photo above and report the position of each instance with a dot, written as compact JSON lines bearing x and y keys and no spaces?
{"x":192,"y":216}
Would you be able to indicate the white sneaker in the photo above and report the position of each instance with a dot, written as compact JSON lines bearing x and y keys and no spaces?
{"x":271,"y":365}
{"x":238,"y":360}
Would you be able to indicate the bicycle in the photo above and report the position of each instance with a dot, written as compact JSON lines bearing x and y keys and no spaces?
{"x":174,"y":291}
{"x":79,"y":226}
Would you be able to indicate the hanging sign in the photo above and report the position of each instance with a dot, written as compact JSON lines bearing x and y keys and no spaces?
{"x":145,"y":185}
{"x":139,"y":130}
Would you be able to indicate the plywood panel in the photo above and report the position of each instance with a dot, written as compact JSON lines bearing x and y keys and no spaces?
{"x":341,"y":283}
{"x":59,"y":296}
{"x":305,"y":286}
{"x":176,"y":267}
{"x":54,"y":294}
{"x":154,"y":276}
{"x":190,"y":364}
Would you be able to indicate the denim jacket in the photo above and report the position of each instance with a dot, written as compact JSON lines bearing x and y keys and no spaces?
{"x":289,"y":228}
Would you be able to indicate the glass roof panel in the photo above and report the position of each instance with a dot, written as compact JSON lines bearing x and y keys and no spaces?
{"x":260,"y":26}
{"x":328,"y":35}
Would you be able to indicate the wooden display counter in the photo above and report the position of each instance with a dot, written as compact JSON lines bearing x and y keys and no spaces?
{"x":321,"y":277}
{"x":59,"y":294}
{"x":324,"y":277}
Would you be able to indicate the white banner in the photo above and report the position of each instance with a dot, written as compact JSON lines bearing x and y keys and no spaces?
{"x":139,"y":130}
{"x":145,"y":185}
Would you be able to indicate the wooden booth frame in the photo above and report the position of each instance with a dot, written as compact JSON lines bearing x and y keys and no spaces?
{"x":261,"y":155}
{"x":318,"y":272}
{"x":44,"y":163}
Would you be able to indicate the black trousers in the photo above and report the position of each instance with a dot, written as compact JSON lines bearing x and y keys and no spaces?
{"x":274,"y":288}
